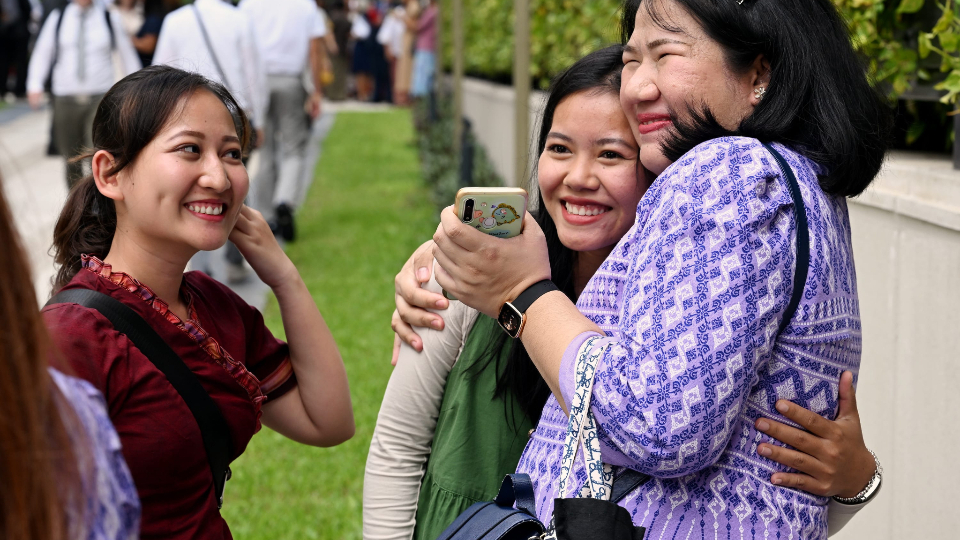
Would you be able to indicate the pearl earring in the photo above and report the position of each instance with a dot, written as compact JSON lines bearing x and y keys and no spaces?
{"x":759,"y":92}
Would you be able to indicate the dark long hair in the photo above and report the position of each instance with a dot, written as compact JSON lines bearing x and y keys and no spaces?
{"x":818,"y":100}
{"x":130,"y":115}
{"x":40,"y":467}
{"x":597,"y":73}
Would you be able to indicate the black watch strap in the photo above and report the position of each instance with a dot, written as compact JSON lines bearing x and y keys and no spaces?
{"x":532,"y":293}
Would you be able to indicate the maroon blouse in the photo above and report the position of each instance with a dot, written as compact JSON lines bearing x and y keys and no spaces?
{"x":225,"y":343}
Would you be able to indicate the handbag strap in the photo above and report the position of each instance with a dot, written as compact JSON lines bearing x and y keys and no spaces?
{"x":206,"y":39}
{"x":213,"y":427}
{"x":517,"y":488}
{"x":803,"y":240}
{"x":582,"y":428}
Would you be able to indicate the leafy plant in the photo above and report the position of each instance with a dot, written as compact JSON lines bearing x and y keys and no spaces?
{"x":561,"y":31}
{"x":946,"y":34}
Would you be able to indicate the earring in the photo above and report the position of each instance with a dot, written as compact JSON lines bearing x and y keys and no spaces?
{"x":759,"y":92}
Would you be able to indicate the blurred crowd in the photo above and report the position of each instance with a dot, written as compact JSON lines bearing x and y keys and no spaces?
{"x":279,"y":58}
{"x":74,"y":50}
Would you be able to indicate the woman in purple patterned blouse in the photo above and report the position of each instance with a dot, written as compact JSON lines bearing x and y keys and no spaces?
{"x":693,"y":296}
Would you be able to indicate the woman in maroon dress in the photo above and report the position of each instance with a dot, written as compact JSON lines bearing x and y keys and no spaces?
{"x":167,"y":182}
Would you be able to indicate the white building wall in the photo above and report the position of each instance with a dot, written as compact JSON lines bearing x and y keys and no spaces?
{"x":906,"y":238}
{"x":490,"y":109}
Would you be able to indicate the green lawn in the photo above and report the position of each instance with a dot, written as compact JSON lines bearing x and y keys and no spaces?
{"x":366,"y":212}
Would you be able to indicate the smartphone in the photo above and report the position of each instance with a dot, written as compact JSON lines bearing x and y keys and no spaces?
{"x":491,"y":210}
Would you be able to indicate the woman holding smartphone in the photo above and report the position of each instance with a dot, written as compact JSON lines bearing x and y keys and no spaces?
{"x":471,"y":400}
{"x":706,"y":313}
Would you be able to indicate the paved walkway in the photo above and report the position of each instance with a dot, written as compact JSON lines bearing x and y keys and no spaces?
{"x":35,"y":189}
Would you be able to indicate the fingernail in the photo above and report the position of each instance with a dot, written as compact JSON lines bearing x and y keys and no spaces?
{"x":441,"y":303}
{"x":416,"y":344}
{"x":423,"y":274}
{"x":783,"y":407}
{"x":765,"y":451}
{"x":435,"y":324}
{"x":763,"y":425}
{"x":776,"y":481}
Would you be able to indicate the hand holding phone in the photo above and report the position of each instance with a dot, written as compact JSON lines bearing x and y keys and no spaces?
{"x":492,"y":210}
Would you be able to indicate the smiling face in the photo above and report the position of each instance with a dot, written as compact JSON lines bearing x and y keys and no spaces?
{"x":667,"y":71}
{"x":588,"y":172}
{"x":184,"y":191}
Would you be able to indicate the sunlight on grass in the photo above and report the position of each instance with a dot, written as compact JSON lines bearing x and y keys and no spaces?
{"x":366,"y":212}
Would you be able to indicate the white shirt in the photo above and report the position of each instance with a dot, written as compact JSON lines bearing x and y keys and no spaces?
{"x":181,"y":44}
{"x":284,"y":29}
{"x":97,"y":69}
{"x":360,"y":27}
{"x":392,"y":31}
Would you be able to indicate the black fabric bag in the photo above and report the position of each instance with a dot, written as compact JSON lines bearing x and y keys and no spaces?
{"x":213,"y":427}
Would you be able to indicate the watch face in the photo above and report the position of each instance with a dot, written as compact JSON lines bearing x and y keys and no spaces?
{"x":510,"y":319}
{"x":511,"y":322}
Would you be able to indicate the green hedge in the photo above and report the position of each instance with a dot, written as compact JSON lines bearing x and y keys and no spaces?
{"x":562,"y":31}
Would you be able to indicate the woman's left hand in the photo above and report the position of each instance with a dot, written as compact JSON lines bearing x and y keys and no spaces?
{"x":255,"y":240}
{"x":830,"y":457}
{"x":483,"y":271}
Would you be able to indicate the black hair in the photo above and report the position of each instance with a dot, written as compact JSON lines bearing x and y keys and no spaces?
{"x":598,"y":73}
{"x":818,"y":100}
{"x":128,"y":117}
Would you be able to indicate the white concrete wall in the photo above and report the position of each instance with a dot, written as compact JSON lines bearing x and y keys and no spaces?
{"x":489,"y":107}
{"x":906,"y":233}
{"x":906,"y":238}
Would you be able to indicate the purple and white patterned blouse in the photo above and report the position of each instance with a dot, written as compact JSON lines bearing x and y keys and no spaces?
{"x":112,"y":506}
{"x":693,"y":296}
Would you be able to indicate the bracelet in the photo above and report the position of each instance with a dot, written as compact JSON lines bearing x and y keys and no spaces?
{"x":871,"y":488}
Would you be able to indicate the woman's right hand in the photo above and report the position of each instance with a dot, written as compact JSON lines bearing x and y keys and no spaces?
{"x":829,"y":456}
{"x":413,"y":300}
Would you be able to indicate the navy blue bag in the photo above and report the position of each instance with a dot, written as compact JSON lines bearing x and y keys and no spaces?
{"x":498,"y":519}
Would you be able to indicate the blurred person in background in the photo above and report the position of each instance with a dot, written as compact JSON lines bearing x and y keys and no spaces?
{"x":61,"y":468}
{"x":216,"y":40}
{"x":340,"y":21}
{"x":291,"y":35}
{"x":145,"y":38}
{"x":18,"y":21}
{"x":404,"y":68}
{"x":131,"y":15}
{"x":424,"y":60}
{"x":74,"y":52}
{"x":382,"y":89}
{"x":391,"y":38}
{"x":362,"y":67}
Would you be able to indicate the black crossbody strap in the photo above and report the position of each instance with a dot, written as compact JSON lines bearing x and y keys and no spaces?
{"x":206,"y":39}
{"x":213,"y":427}
{"x":803,"y":240}
{"x":624,"y":484}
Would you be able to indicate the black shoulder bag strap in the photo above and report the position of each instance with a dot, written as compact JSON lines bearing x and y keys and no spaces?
{"x":206,"y":39}
{"x":213,"y":427}
{"x":803,"y":240}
